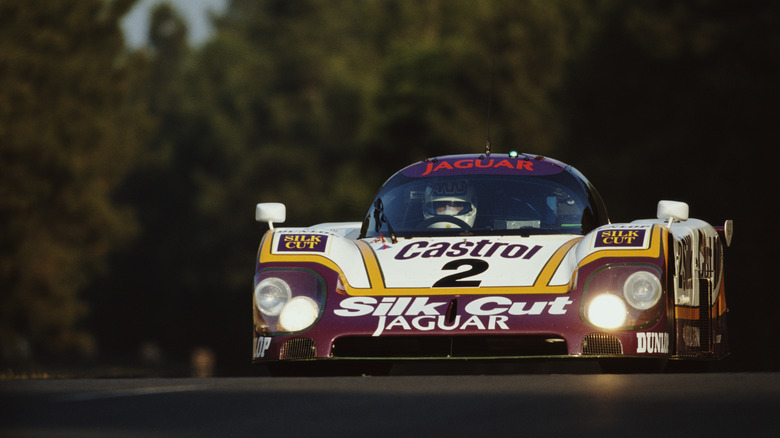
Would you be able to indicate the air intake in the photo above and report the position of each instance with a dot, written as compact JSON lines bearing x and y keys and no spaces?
{"x":601,"y":344}
{"x":449,"y":346}
{"x":298,"y":348}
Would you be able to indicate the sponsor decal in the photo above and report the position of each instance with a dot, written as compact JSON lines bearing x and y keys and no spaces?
{"x":482,"y":248}
{"x":381,"y":239}
{"x":302,"y":243}
{"x":652,"y":342}
{"x":484,"y":165}
{"x":422,"y":314}
{"x":438,"y":166}
{"x":622,"y":238}
{"x":261,"y":346}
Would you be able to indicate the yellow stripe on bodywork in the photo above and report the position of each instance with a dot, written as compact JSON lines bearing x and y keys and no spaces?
{"x":686,"y":312}
{"x":266,"y":256}
{"x":693,"y":313}
{"x":717,"y":309}
{"x":654,"y":251}
{"x":376,"y":280}
{"x":377,"y":284}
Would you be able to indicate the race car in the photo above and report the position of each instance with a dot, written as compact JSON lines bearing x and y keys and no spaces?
{"x":490,"y":256}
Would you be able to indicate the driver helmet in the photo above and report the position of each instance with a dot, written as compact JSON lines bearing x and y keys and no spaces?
{"x":450,"y":198}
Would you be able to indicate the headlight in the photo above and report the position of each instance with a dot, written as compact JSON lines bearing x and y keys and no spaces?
{"x":271,"y":295}
{"x":607,"y":311}
{"x":627,"y":296}
{"x":289,"y":299}
{"x":299,"y":314}
{"x":642,"y":290}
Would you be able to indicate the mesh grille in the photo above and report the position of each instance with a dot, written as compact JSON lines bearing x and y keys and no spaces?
{"x":449,"y":346}
{"x":601,"y":343}
{"x":298,"y":348}
{"x":705,"y":317}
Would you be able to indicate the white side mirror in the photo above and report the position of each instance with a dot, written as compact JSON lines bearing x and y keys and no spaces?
{"x":671,"y":211}
{"x":270,"y":212}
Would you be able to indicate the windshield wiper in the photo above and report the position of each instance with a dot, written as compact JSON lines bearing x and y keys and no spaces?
{"x":379,"y":216}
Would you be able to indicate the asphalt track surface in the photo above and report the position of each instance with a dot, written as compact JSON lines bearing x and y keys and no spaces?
{"x":658,"y":405}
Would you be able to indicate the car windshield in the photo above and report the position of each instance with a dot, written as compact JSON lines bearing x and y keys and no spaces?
{"x":560,"y":203}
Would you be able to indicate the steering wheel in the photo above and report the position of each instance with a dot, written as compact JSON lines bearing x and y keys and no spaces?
{"x":445,"y":218}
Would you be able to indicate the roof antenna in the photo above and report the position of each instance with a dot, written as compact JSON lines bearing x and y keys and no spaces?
{"x":490,"y":106}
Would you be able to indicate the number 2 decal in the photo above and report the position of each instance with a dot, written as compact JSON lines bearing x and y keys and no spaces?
{"x":457,"y":280}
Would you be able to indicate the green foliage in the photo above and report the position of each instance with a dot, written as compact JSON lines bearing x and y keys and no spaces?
{"x":68,"y":134}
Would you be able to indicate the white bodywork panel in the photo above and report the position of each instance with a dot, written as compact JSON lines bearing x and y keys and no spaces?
{"x":419,"y":262}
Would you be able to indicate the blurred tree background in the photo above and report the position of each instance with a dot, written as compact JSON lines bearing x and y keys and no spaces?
{"x":70,"y":129}
{"x":128,"y":178}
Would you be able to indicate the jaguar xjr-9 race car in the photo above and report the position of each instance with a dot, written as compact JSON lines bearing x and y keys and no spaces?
{"x":493,"y":256}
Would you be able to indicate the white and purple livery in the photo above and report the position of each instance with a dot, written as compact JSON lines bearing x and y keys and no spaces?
{"x":493,"y":256}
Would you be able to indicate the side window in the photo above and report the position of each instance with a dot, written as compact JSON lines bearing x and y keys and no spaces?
{"x":368,"y":229}
{"x":684,"y":269}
